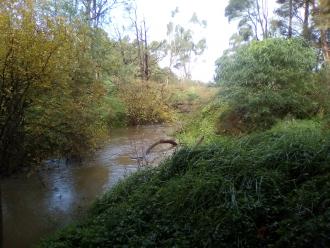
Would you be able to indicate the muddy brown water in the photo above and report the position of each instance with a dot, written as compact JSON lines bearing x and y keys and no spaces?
{"x":37,"y":205}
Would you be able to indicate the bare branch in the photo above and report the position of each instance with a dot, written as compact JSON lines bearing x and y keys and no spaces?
{"x":162,"y":141}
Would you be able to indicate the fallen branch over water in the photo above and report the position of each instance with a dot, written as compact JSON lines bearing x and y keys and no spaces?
{"x":162,"y":141}
{"x":166,"y":141}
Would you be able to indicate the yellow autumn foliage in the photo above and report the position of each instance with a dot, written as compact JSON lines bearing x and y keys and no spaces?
{"x":49,"y":90}
{"x":146,"y":102}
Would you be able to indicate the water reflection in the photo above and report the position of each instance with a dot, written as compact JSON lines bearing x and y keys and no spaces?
{"x":37,"y":205}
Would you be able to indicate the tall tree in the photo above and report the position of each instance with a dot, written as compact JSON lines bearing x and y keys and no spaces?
{"x":306,"y":22}
{"x":290,"y":18}
{"x":141,"y":40}
{"x":294,"y":18}
{"x":322,"y":16}
{"x":96,"y":10}
{"x":181,"y":45}
{"x":93,"y":12}
{"x":252,"y":15}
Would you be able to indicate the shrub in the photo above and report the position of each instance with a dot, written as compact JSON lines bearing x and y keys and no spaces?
{"x":145,"y":102}
{"x":265,"y":81}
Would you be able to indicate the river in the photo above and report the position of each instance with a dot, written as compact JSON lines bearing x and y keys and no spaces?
{"x":37,"y":205}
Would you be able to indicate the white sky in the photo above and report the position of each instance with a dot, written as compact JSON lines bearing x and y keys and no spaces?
{"x":157,"y":14}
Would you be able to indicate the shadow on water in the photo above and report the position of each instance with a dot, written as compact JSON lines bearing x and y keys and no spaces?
{"x":36,"y":206}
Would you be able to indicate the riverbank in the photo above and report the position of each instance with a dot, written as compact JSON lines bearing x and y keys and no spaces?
{"x":265,"y":189}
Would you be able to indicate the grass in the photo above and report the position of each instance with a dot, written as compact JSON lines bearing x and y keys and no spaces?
{"x":202,"y":123}
{"x":268,"y":189}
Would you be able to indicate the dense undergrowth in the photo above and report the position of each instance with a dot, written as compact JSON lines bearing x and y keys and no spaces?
{"x":202,"y":123}
{"x":141,"y":102}
{"x":267,"y":189}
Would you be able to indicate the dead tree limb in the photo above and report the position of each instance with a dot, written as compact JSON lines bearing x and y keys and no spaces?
{"x":162,"y":141}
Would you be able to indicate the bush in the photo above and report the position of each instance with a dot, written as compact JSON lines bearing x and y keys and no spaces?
{"x":265,"y":81}
{"x":114,"y":111}
{"x":201,"y":124}
{"x":49,"y":94}
{"x":269,"y":189}
{"x":145,"y":102}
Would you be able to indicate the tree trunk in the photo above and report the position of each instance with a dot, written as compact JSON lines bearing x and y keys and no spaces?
{"x":1,"y":219}
{"x":138,"y":35}
{"x":260,"y":20}
{"x":146,"y":56}
{"x":290,"y":19}
{"x":265,"y":16}
{"x":142,"y":64}
{"x":325,"y":45}
{"x":94,"y":15}
{"x":88,"y":11}
{"x":324,"y":30}
{"x":138,"y":46}
{"x":306,"y":32}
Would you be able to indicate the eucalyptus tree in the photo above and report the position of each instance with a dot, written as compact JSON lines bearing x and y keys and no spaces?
{"x":322,"y":17}
{"x":253,"y":16}
{"x":294,"y":18}
{"x":181,"y":46}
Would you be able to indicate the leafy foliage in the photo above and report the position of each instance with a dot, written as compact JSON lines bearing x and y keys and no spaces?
{"x":48,"y":90}
{"x":181,"y":45}
{"x":252,"y":16}
{"x":265,"y":81}
{"x":145,"y":102}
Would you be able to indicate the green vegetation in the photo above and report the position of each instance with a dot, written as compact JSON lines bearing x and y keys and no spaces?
{"x":266,"y":81}
{"x":146,"y":102}
{"x":202,"y":124}
{"x":269,"y":188}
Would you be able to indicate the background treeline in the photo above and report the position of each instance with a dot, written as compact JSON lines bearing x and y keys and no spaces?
{"x":64,"y":82}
